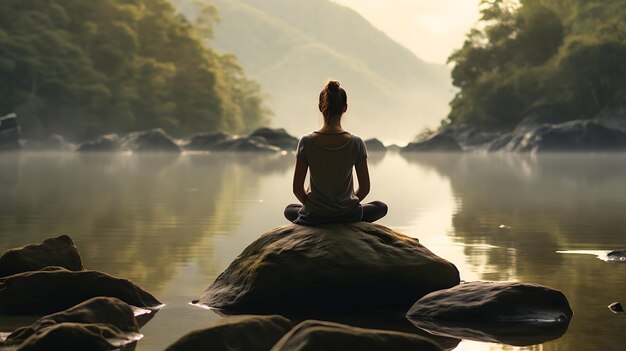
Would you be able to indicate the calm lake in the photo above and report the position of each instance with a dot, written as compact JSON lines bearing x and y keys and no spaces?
{"x":171,"y":224}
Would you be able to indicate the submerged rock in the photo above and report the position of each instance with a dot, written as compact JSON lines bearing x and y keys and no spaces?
{"x":150,"y":140}
{"x":59,"y":251}
{"x":55,"y":289}
{"x":318,"y":335}
{"x":441,"y":142}
{"x":9,"y":133}
{"x":277,"y":137}
{"x":236,"y":333}
{"x":355,"y":267}
{"x":375,"y":145}
{"x":89,"y":324}
{"x":103,"y":143}
{"x":493,"y":302}
{"x":206,"y":141}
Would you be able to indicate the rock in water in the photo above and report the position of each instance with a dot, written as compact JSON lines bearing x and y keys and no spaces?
{"x":109,"y":312}
{"x":103,"y":143}
{"x":375,"y":145}
{"x":442,"y":142}
{"x":9,"y":133}
{"x":277,"y":137}
{"x":54,"y":289}
{"x":150,"y":140}
{"x":318,"y":335}
{"x":236,"y":333}
{"x":207,"y":141}
{"x":58,"y":251}
{"x":493,"y":302}
{"x":356,"y":267}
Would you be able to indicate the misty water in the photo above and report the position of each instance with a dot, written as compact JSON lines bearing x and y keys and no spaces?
{"x":172,"y":223}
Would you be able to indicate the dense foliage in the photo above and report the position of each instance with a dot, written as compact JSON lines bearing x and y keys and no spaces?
{"x":558,"y":58}
{"x":82,"y":67}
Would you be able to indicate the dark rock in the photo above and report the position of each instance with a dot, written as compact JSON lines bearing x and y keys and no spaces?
{"x":394,"y":148}
{"x":55,"y":289}
{"x":104,"y":143}
{"x":277,"y":137}
{"x":493,"y":302}
{"x":77,"y":336}
{"x":9,"y":133}
{"x":375,"y":145}
{"x":58,"y":251}
{"x":246,"y":144}
{"x":616,"y":307}
{"x":578,"y":135}
{"x":441,"y":142}
{"x":206,"y":141}
{"x":236,"y":333}
{"x":339,"y":267}
{"x":153,"y":140}
{"x":53,"y":142}
{"x":328,"y":336}
{"x":616,"y":256}
{"x":107,"y":311}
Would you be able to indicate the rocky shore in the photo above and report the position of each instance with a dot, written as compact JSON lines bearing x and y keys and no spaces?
{"x":275,"y":295}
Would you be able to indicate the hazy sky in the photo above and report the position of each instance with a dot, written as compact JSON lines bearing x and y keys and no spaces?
{"x":429,"y":28}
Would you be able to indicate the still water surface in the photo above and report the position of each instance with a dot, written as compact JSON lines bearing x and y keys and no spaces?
{"x":172,"y":223}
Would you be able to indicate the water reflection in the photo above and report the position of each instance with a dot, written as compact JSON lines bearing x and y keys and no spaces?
{"x":515,"y":211}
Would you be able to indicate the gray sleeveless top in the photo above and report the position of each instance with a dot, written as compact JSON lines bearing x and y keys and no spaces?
{"x":331,"y":186}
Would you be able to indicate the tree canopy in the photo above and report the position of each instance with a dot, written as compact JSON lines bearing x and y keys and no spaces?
{"x":559,"y":58}
{"x":82,"y":67}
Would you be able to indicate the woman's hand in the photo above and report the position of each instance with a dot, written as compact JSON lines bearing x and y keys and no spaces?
{"x":363,"y":176}
{"x":302,"y":166}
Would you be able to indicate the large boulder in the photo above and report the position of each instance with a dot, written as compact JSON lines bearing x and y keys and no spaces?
{"x":9,"y":133}
{"x":153,"y":140}
{"x":493,"y":302}
{"x":277,"y":137}
{"x":55,"y":289}
{"x":236,"y":333}
{"x":319,"y":335}
{"x":206,"y":141}
{"x":441,"y":142}
{"x":578,"y":135}
{"x":357,"y":267}
{"x":246,"y":144}
{"x":103,"y":143}
{"x":86,"y":324}
{"x":59,"y":251}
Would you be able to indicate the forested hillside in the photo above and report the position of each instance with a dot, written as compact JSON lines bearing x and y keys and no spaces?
{"x":562,"y":59}
{"x":80,"y":68}
{"x":293,"y":46}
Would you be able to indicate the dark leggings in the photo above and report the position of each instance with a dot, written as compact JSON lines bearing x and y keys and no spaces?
{"x":372,"y":211}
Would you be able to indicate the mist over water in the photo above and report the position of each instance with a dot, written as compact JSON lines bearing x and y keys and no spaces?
{"x":172,"y":223}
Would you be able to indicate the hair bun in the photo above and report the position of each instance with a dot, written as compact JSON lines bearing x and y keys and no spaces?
{"x":332,"y":85}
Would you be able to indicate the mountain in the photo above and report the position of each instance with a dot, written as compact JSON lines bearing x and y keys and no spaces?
{"x":293,"y":47}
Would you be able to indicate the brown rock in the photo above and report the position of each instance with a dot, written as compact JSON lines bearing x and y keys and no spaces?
{"x":59,"y":251}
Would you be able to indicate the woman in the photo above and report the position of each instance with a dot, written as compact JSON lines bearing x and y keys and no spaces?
{"x":330,"y":153}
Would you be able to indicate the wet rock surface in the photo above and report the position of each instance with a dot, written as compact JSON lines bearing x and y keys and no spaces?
{"x":101,"y":323}
{"x":277,"y":137}
{"x":54,"y":289}
{"x":59,"y":251}
{"x":320,"y":335}
{"x":103,"y":143}
{"x":236,"y":333}
{"x":153,"y":140}
{"x":338,"y":267}
{"x":493,"y":302}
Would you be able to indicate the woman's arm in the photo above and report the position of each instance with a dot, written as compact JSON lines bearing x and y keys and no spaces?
{"x":302,"y":166}
{"x":363,"y":176}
